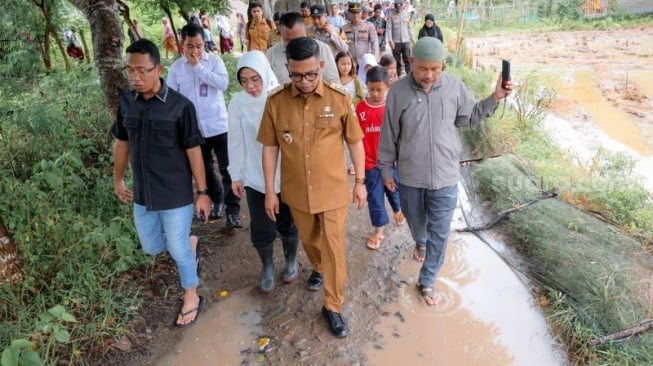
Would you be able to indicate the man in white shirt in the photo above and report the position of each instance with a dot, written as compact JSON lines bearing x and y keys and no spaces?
{"x":202,"y":77}
{"x":334,"y":18}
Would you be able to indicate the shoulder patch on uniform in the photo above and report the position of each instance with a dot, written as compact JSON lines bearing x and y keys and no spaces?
{"x":278,"y":89}
{"x":337,"y":87}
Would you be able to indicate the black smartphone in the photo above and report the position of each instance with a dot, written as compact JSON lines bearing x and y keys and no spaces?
{"x":505,"y":72}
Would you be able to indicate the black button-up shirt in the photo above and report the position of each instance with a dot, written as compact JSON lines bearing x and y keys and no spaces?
{"x":159,"y":130}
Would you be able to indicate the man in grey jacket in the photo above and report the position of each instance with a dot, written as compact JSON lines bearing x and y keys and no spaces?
{"x":419,"y":133}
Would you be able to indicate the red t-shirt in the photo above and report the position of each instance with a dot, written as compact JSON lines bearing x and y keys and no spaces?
{"x":370,"y":118}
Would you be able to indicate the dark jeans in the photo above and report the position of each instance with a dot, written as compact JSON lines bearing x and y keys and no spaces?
{"x":219,"y":192}
{"x":375,"y":197}
{"x":263,"y":231}
{"x":428,"y":214}
{"x":402,"y":52}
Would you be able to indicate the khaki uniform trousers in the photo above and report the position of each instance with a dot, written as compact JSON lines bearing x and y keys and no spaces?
{"x":323,"y":238}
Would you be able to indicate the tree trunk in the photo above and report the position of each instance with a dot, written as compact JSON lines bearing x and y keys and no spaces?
{"x":87,"y":55}
{"x":107,"y":38}
{"x":166,"y":9}
{"x":45,"y":47}
{"x":57,"y":40}
{"x":10,"y":271}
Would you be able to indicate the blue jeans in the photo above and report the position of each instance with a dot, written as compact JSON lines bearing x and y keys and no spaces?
{"x":169,"y":230}
{"x":428,"y":213}
{"x":375,"y":192}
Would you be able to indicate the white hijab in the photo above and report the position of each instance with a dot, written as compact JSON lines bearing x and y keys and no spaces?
{"x":257,"y":61}
{"x":367,"y":59}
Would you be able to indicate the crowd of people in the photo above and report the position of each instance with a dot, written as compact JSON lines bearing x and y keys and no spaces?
{"x":286,"y":140}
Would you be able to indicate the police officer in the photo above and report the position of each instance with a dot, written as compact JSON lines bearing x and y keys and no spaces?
{"x":304,"y":123}
{"x":361,"y":35}
{"x":323,"y":31}
{"x":400,"y":36}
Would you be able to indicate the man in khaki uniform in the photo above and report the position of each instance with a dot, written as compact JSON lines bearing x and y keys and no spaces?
{"x":325,"y":32}
{"x":361,"y":35}
{"x":307,"y":120}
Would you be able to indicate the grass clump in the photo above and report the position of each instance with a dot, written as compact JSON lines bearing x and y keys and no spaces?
{"x":74,"y":239}
{"x":598,"y":279}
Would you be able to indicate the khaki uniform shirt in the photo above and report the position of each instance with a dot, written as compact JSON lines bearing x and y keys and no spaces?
{"x":309,"y":134}
{"x":275,"y":37}
{"x":399,"y":29}
{"x":362,"y":39}
{"x":258,"y":35}
{"x":335,"y":41}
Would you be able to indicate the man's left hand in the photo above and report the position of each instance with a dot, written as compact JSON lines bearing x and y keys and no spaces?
{"x":203,"y":206}
{"x":499,"y":91}
{"x":360,"y":195}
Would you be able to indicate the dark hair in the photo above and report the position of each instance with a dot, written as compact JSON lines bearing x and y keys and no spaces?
{"x":376,"y":74}
{"x":277,"y":16}
{"x":387,"y":60}
{"x":303,"y":5}
{"x":378,"y":7}
{"x":249,"y":15}
{"x":289,"y":20}
{"x":191,"y":30}
{"x":342,"y":54}
{"x":145,"y":47}
{"x":302,"y":48}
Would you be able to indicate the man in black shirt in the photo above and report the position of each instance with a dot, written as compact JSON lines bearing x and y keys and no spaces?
{"x":156,"y":132}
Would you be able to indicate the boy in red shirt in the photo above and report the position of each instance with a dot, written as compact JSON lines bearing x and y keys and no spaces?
{"x":370,"y":115}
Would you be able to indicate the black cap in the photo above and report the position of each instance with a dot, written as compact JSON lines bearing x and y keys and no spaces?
{"x":317,"y":10}
{"x":429,"y":17}
{"x":354,"y":7}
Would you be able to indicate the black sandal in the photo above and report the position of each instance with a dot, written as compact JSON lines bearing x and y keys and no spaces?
{"x":428,"y":293}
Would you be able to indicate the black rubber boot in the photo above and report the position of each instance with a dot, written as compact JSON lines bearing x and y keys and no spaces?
{"x":291,"y":269}
{"x":267,"y":274}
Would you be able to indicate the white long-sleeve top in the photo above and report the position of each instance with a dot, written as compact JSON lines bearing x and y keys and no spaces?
{"x":245,"y":111}
{"x":203,"y":84}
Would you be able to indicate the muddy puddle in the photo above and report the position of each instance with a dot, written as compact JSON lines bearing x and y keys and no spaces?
{"x":224,"y":334}
{"x":487,"y":317}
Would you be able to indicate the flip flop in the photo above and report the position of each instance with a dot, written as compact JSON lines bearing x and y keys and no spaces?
{"x":197,"y":309}
{"x":374,"y":242}
{"x":431,"y":298}
{"x":419,"y":253}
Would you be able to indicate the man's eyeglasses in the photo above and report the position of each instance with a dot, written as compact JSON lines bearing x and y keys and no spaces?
{"x":128,"y":71}
{"x":309,"y":76}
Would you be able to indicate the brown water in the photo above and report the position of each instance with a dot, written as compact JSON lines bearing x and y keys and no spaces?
{"x":608,"y":117}
{"x":487,"y":317}
{"x":220,"y":335}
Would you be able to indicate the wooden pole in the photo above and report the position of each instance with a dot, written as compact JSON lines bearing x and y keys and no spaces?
{"x":459,"y":39}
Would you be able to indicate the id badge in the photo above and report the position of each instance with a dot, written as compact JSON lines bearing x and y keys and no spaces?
{"x":204,"y":90}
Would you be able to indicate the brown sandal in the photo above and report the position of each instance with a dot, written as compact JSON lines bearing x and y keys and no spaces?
{"x":374,"y":242}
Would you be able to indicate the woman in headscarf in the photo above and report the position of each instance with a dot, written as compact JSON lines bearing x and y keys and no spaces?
{"x":366,"y":62}
{"x":246,"y":168}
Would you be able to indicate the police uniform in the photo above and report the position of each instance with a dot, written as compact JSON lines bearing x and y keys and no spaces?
{"x":361,"y":38}
{"x":314,"y":184}
{"x":335,"y":40}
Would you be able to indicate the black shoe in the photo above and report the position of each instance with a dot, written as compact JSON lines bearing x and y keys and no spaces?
{"x":315,"y":281}
{"x":337,"y":322}
{"x":217,"y":212}
{"x":233,"y":221}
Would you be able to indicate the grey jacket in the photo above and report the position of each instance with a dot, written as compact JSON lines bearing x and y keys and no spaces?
{"x":419,"y":130}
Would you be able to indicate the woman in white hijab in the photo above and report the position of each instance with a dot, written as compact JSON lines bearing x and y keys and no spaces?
{"x":366,"y":62}
{"x":246,"y":168}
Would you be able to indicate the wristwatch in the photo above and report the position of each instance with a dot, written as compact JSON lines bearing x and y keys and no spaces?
{"x":203,"y":191}
{"x":359,"y":180}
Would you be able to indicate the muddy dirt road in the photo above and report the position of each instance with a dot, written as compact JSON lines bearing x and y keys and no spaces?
{"x":600,"y":74}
